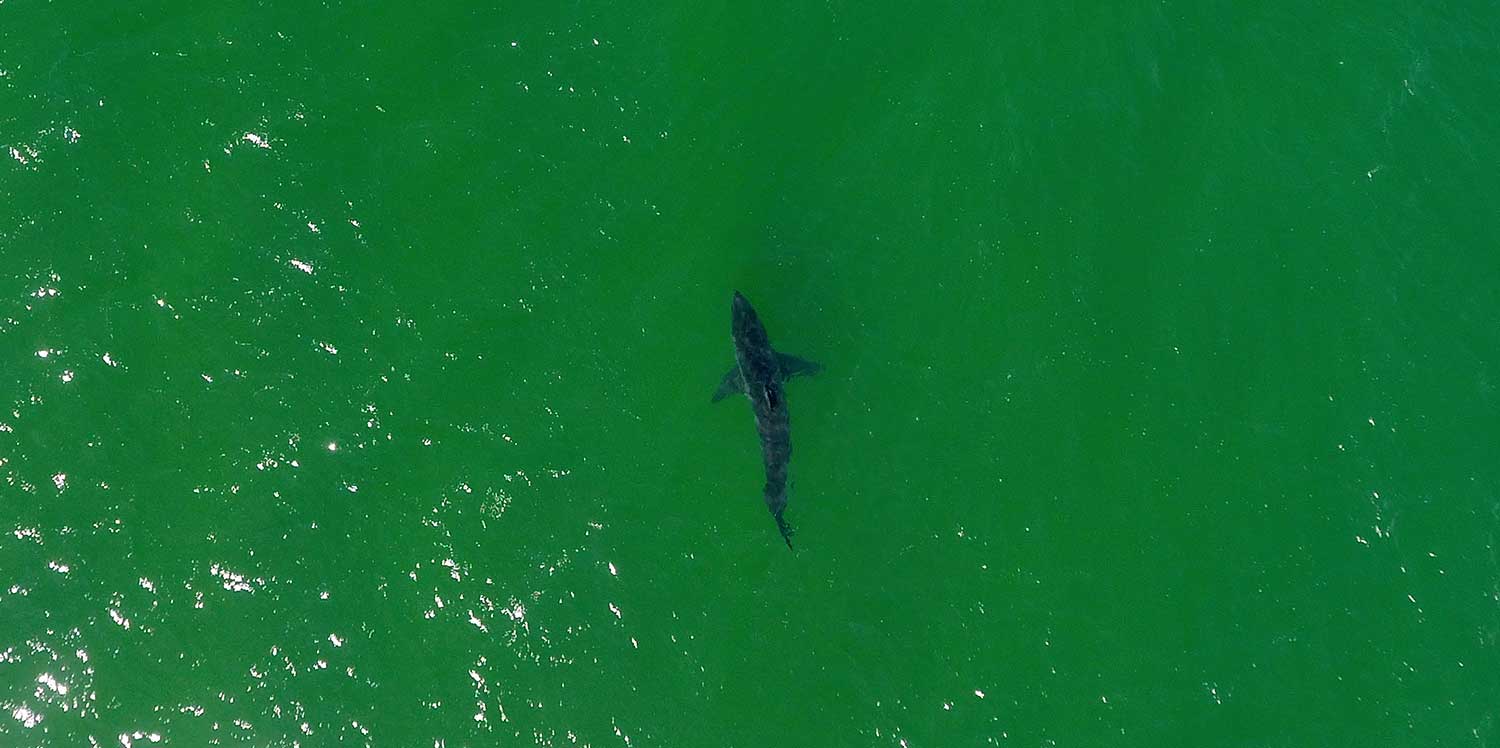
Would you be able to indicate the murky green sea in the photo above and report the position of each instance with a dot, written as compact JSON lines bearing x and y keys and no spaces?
{"x":355,"y":363}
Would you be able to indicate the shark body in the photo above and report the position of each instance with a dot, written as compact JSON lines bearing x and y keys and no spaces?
{"x":759,"y":373}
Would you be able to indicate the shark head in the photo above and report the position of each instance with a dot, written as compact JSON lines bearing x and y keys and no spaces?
{"x":746,"y":325}
{"x":741,"y":305}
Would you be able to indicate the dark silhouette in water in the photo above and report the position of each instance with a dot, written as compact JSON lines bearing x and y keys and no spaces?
{"x":759,"y":372}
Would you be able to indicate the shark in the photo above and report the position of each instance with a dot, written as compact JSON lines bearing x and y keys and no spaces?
{"x":759,"y":372}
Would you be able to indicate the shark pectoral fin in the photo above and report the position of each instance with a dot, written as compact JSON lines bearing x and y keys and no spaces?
{"x":731,"y":384}
{"x":791,"y":366}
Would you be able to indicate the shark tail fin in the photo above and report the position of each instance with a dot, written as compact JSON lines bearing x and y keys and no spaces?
{"x":786,"y":530}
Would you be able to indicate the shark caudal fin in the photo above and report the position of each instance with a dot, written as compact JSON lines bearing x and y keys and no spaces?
{"x":786,"y":530}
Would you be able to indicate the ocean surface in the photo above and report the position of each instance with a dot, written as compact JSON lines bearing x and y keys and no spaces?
{"x":355,"y":365}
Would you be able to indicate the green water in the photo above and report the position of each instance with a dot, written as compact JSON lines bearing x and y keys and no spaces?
{"x":355,"y":363}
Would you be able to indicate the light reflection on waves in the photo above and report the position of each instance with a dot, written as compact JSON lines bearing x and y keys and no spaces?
{"x":239,"y":577}
{"x":290,"y":687}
